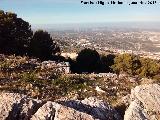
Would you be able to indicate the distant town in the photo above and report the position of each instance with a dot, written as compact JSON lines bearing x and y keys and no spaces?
{"x":145,"y":43}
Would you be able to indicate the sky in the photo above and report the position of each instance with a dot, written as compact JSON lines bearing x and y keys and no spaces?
{"x":73,"y":11}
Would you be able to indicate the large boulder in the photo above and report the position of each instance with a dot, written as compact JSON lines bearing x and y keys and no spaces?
{"x":55,"y":111}
{"x":94,"y":107}
{"x":17,"y":107}
{"x":145,"y":103}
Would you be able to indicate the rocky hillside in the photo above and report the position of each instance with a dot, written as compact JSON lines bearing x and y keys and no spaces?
{"x":143,"y":105}
{"x":31,"y":89}
{"x":19,"y":107}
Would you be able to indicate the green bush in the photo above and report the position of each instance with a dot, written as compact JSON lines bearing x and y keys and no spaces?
{"x":150,"y":68}
{"x":127,"y":63}
{"x":43,"y":46}
{"x":134,"y":65}
{"x":88,"y":60}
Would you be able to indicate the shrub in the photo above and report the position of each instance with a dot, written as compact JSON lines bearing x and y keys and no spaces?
{"x":150,"y":68}
{"x":106,"y":63}
{"x":127,"y":63}
{"x":43,"y":46}
{"x":88,"y":60}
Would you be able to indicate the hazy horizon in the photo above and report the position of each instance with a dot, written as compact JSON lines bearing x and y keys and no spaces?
{"x":72,"y":11}
{"x":118,"y":25}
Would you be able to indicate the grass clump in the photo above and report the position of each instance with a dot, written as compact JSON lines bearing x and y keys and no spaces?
{"x":66,"y":84}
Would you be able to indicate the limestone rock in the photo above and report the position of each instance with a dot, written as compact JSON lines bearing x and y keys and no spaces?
{"x":94,"y":107}
{"x":55,"y":111}
{"x":29,"y":107}
{"x":145,"y":103}
{"x":67,"y":113}
{"x":8,"y":105}
{"x":46,"y":112}
{"x":87,"y":109}
{"x":135,"y":112}
{"x":16,"y":106}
